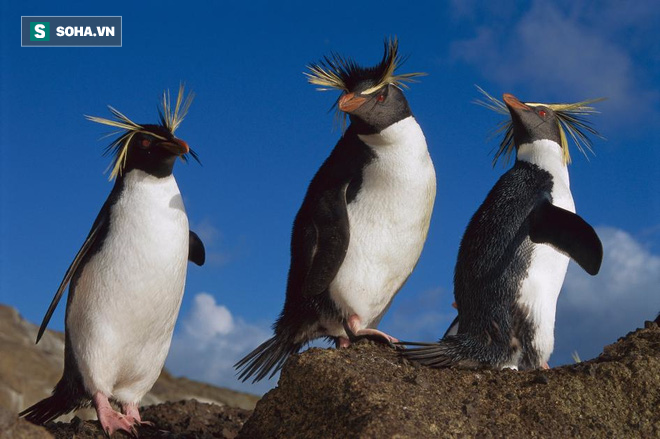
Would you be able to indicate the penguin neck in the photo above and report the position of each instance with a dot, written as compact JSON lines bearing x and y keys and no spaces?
{"x":547,"y":155}
{"x":137,"y":178}
{"x":404,"y":132}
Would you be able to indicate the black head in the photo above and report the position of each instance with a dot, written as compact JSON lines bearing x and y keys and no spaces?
{"x":154,"y":149}
{"x":532,"y":123}
{"x":372,"y":113}
{"x":527,"y":122}
{"x":150,"y":148}
{"x":372,"y":96}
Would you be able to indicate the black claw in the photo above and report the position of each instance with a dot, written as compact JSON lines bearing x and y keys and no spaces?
{"x":351,"y":335}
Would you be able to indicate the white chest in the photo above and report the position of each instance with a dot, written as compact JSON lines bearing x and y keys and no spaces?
{"x":128,"y":295}
{"x":388,"y":220}
{"x":540,"y":290}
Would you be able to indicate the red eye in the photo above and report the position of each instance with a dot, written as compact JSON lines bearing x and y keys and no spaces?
{"x":541,"y":113}
{"x":146,"y":143}
{"x":380,"y":98}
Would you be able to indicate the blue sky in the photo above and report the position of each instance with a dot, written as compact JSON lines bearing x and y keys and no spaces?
{"x":262,"y":132}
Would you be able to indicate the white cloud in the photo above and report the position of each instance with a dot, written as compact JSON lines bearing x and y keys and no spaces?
{"x":208,"y":320}
{"x":561,"y":53}
{"x":594,"y":311}
{"x":211,"y":341}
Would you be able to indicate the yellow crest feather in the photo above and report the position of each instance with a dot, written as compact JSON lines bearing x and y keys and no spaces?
{"x":337,"y":72}
{"x":169,"y":119}
{"x":570,"y":118}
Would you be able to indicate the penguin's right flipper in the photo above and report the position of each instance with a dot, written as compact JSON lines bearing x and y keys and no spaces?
{"x":196,"y":251}
{"x":100,"y":222}
{"x":568,"y":232}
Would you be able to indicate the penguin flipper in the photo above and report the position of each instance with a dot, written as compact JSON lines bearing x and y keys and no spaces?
{"x":100,"y":222}
{"x":196,"y":251}
{"x":328,"y":231}
{"x":568,"y":232}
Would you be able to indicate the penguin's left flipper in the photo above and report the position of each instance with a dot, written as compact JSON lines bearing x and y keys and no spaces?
{"x":196,"y":251}
{"x":568,"y":232}
{"x":100,"y":222}
{"x":328,"y":224}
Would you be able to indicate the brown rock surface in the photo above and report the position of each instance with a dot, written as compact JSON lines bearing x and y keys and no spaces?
{"x":172,"y":420}
{"x":367,"y":391}
{"x":12,"y":427}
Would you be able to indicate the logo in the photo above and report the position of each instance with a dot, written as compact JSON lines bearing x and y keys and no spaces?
{"x":78,"y":31}
{"x":39,"y":31}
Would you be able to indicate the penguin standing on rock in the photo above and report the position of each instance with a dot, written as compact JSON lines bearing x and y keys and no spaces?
{"x":127,"y":280}
{"x":364,"y":220}
{"x":515,"y":251}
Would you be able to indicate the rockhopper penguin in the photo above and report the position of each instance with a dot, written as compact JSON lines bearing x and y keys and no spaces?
{"x":515,"y":251}
{"x":127,"y":280}
{"x":364,"y":220}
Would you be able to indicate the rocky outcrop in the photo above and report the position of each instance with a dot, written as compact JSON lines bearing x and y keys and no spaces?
{"x":28,"y":372}
{"x":188,"y":419}
{"x":368,"y":391}
{"x":11,"y":427}
{"x":172,"y":420}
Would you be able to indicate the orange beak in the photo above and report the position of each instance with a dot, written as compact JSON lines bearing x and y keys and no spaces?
{"x":177,"y":146}
{"x":514,"y":102}
{"x":349,"y":102}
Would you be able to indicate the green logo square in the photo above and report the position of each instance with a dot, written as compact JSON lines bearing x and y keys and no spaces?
{"x":39,"y":31}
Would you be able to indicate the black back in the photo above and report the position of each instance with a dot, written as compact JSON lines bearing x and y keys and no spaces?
{"x":486,"y":288}
{"x":321,"y":231}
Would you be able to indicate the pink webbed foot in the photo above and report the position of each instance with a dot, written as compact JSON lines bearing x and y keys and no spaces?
{"x":545,"y":366}
{"x":352,"y":327}
{"x":110,"y":420}
{"x":133,"y":414}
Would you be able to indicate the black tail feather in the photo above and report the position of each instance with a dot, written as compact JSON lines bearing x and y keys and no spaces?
{"x":430,"y":354}
{"x":269,"y":357}
{"x":463,"y":350}
{"x":50,"y":408}
{"x":414,"y":343}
